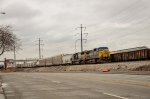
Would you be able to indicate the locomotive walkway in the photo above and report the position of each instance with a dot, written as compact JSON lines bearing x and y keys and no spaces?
{"x":75,"y":86}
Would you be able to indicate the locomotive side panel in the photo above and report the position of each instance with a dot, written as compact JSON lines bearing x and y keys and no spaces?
{"x":75,"y":58}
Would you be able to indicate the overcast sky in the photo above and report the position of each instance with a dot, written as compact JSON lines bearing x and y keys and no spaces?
{"x":117,"y":24}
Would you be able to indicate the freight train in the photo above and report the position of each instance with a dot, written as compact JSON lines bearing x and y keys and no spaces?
{"x":97,"y":55}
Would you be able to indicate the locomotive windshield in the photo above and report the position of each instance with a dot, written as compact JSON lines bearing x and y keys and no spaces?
{"x":103,"y":48}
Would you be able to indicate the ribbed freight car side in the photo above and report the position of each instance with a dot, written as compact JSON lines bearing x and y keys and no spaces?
{"x":57,"y":60}
{"x":67,"y":59}
{"x":41,"y":62}
{"x":137,"y":53}
{"x":48,"y":61}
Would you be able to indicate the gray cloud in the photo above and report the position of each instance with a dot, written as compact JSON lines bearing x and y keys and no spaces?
{"x":20,"y":11}
{"x":117,"y":24}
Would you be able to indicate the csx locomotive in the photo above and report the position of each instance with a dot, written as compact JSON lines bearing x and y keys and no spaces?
{"x":97,"y":55}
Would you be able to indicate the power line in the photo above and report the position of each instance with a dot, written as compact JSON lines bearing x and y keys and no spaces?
{"x":76,"y":42}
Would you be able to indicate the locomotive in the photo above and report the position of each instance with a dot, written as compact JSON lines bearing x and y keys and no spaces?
{"x":97,"y":55}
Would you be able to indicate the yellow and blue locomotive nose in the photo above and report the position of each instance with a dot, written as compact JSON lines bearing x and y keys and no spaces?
{"x":104,"y":54}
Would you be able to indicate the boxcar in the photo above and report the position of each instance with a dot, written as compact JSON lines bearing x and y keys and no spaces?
{"x":48,"y":61}
{"x":138,"y":53}
{"x":66,"y":58}
{"x":41,"y":62}
{"x":57,"y":60}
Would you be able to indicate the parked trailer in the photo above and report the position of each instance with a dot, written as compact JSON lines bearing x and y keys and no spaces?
{"x":138,"y":53}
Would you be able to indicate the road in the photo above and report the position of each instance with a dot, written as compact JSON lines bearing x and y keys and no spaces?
{"x":75,"y":86}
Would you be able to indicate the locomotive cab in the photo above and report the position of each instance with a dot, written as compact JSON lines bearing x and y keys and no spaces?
{"x":102,"y":54}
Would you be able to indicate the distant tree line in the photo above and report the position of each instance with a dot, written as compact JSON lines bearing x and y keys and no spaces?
{"x":8,"y":40}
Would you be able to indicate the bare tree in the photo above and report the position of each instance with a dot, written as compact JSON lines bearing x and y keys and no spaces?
{"x":7,"y":39}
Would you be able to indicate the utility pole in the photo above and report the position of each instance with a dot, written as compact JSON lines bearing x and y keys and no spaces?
{"x":39,"y":48}
{"x":15,"y":55}
{"x":81,"y":39}
{"x":81,"y":36}
{"x":76,"y":43}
